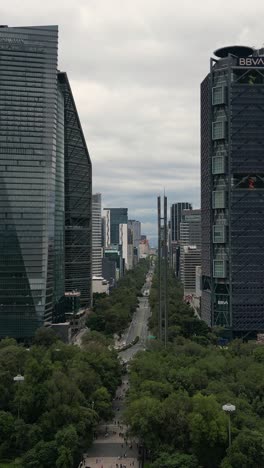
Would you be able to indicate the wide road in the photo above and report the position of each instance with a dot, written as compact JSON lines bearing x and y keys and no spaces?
{"x":112,"y":448}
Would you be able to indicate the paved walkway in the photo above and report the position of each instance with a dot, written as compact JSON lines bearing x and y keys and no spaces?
{"x":112,"y":448}
{"x":110,"y":462}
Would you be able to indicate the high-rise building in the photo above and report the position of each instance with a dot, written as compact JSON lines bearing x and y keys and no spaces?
{"x":97,"y":235}
{"x":190,"y":248}
{"x":45,"y":182}
{"x":78,"y":200}
{"x":113,"y":217}
{"x":174,"y":233}
{"x":123,"y":241}
{"x":135,"y":227}
{"x":232,"y":190}
{"x":190,"y":260}
{"x":190,"y":228}
{"x":176,"y":218}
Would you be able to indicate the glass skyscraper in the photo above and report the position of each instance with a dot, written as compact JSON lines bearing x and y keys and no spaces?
{"x":37,"y":141}
{"x":232,"y":191}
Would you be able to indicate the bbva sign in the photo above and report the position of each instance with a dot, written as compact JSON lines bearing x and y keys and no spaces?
{"x":251,"y":62}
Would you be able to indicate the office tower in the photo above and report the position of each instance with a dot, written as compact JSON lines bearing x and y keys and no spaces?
{"x":123,"y":241}
{"x":97,"y":235}
{"x":144,"y":248}
{"x":113,"y":217}
{"x":78,"y":201}
{"x":135,"y":227}
{"x":176,"y":217}
{"x":190,"y":248}
{"x":175,"y":221}
{"x":232,"y":191}
{"x":190,"y":260}
{"x":131,"y":249}
{"x":190,"y":228}
{"x":42,"y":189}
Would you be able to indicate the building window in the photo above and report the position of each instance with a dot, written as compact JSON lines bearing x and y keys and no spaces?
{"x":218,"y":164}
{"x":219,"y":234}
{"x":218,"y":96}
{"x":219,"y":268}
{"x":219,"y":130}
{"x":219,"y":199}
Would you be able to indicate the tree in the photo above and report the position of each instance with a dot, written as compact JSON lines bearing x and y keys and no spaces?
{"x":65,"y":459}
{"x":208,"y":430}
{"x":45,"y":337}
{"x":177,"y":460}
{"x":247,"y":451}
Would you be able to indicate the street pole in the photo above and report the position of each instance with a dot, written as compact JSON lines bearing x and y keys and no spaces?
{"x":165,"y":274}
{"x":229,"y":408}
{"x":160,"y":278}
{"x":229,"y":429}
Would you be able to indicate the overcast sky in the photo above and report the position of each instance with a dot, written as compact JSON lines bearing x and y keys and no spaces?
{"x":135,"y":67}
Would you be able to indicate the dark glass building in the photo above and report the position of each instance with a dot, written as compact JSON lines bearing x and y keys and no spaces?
{"x":78,"y":201}
{"x":37,"y":142}
{"x":232,"y":191}
{"x":117,"y":216}
{"x":175,"y":222}
{"x":176,"y":218}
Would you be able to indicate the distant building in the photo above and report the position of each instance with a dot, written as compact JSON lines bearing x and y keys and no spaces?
{"x":190,"y":228}
{"x":100,"y":285}
{"x":97,"y":235}
{"x":232,"y":191}
{"x":123,"y":241}
{"x":144,"y":248}
{"x":113,"y":217}
{"x":109,"y":267}
{"x":190,"y":254}
{"x":191,"y":258}
{"x":174,"y":233}
{"x":135,"y":227}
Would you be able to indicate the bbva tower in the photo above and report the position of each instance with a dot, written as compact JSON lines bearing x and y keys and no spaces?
{"x":232,"y":191}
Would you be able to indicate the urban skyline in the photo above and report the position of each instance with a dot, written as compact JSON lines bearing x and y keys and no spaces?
{"x":156,"y":143}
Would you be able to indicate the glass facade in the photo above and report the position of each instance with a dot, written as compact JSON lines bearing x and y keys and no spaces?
{"x":117,"y":216}
{"x":37,"y":180}
{"x":28,"y":106}
{"x":78,"y":201}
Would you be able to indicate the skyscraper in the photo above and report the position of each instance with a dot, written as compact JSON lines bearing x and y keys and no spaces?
{"x":190,"y":249}
{"x":176,"y":217}
{"x":97,"y":235}
{"x":42,"y":146}
{"x":135,"y":227}
{"x":232,"y":190}
{"x":174,"y":229}
{"x":113,"y":217}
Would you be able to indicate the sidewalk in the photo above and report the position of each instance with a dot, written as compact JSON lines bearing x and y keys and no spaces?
{"x":110,"y":462}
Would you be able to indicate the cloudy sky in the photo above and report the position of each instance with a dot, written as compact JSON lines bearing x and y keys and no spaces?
{"x":135,"y":68}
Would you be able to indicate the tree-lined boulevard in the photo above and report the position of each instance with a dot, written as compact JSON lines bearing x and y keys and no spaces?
{"x":98,"y":405}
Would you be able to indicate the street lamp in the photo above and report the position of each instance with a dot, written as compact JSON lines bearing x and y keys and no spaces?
{"x":19,"y":379}
{"x":229,"y":408}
